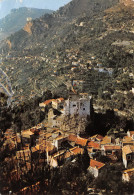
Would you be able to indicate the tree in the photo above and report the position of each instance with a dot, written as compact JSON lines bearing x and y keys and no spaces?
{"x":83,"y":160}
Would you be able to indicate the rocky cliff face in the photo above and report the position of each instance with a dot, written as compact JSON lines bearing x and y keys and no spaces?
{"x":9,"y":44}
{"x":28,"y":27}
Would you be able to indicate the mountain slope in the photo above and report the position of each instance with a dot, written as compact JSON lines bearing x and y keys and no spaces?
{"x":48,"y":25}
{"x":93,"y":43}
{"x":18,"y":18}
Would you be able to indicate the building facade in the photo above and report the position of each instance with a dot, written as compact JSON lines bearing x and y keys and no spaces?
{"x":77,"y":104}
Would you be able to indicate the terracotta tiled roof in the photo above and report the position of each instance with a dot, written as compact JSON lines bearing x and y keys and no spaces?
{"x":96,"y":164}
{"x":47,"y":135}
{"x":55,"y":100}
{"x":72,"y":137}
{"x":48,"y":101}
{"x":97,"y":137}
{"x":59,"y":153}
{"x":60,"y":137}
{"x":128,"y":170}
{"x":37,"y":146}
{"x":9,"y":131}
{"x":106,"y":140}
{"x":128,"y":149}
{"x":94,"y":145}
{"x":81,"y":141}
{"x":78,"y":140}
{"x":58,"y":100}
{"x":34,"y":149}
{"x":61,"y":99}
{"x":127,"y":139}
{"x":131,"y":133}
{"x":34,"y":130}
{"x":110,"y":147}
{"x":67,"y":154}
{"x":26,"y":132}
{"x":45,"y":146}
{"x":77,"y":150}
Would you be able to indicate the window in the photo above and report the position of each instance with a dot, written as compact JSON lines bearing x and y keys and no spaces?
{"x":74,"y":105}
{"x":83,"y":108}
{"x":109,"y":152}
{"x":129,"y":157}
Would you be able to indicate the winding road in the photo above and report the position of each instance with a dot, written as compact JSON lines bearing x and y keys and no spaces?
{"x":5,"y":86}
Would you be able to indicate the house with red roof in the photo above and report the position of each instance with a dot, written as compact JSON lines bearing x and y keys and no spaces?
{"x":72,"y":139}
{"x":82,"y":142}
{"x":127,"y":140}
{"x":76,"y":140}
{"x":65,"y":155}
{"x":126,"y":174}
{"x":95,"y":167}
{"x":107,"y":140}
{"x":59,"y":140}
{"x":55,"y":103}
{"x":93,"y":147}
{"x":112,"y":151}
{"x":44,"y":104}
{"x":97,"y":138}
{"x":27,"y":136}
{"x":58,"y":103}
{"x":127,"y":154}
{"x":130,"y":134}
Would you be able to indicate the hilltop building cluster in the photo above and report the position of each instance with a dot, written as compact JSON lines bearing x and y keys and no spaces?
{"x":68,"y":115}
{"x":75,"y":104}
{"x":48,"y":142}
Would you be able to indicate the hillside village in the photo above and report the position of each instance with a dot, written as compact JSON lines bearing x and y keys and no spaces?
{"x":69,"y":129}
{"x":58,"y":140}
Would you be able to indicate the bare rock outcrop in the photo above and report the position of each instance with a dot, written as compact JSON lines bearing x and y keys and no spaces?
{"x":28,"y":27}
{"x":9,"y":44}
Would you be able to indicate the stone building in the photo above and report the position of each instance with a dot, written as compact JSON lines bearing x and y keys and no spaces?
{"x":126,"y":175}
{"x":95,"y":167}
{"x":128,"y":154}
{"x":77,"y":104}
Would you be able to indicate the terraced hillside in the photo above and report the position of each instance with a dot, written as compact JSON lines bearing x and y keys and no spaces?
{"x":87,"y":41}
